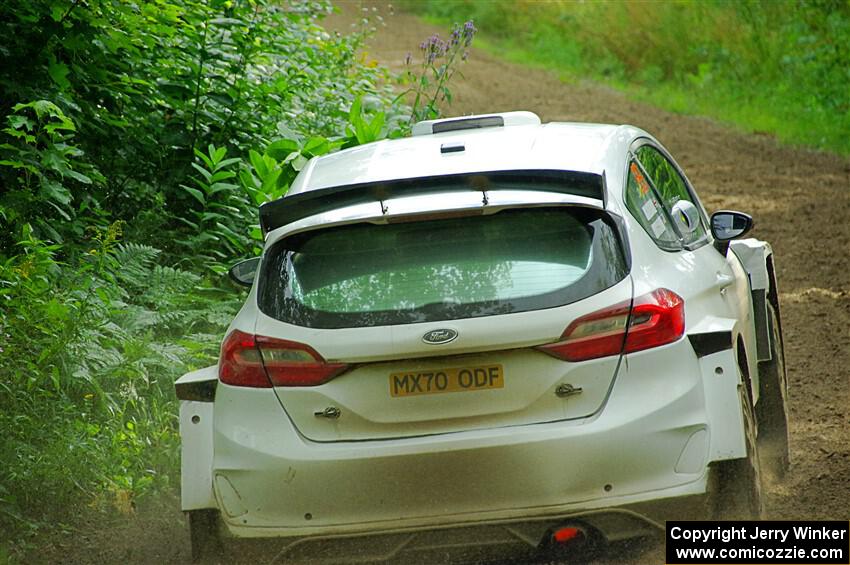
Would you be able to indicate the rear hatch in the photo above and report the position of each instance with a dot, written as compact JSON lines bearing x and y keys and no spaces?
{"x":433,"y":326}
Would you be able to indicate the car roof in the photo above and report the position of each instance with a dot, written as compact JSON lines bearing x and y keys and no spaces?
{"x":523,"y":143}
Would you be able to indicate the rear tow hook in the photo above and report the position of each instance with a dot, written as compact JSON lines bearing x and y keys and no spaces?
{"x":331,"y":412}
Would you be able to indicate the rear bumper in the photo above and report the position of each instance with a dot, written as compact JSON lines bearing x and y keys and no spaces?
{"x":520,"y":541}
{"x":648,"y":444}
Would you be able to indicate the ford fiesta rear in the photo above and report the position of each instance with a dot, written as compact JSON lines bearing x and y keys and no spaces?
{"x":450,"y":371}
{"x":460,"y":360}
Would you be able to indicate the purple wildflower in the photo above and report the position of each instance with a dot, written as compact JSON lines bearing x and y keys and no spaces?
{"x":455,"y":37}
{"x":469,"y":30}
{"x":434,"y":48}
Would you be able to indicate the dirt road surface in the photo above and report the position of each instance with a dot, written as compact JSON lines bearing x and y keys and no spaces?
{"x":800,"y":200}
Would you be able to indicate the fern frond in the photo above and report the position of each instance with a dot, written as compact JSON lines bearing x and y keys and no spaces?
{"x":134,"y":263}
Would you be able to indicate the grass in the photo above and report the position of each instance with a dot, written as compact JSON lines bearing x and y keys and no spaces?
{"x":772,"y":67}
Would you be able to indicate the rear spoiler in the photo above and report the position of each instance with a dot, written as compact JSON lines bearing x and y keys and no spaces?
{"x":302,"y":205}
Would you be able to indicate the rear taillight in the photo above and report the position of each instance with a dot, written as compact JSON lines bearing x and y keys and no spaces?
{"x":658,"y":318}
{"x":263,"y":362}
{"x":654,"y":319}
{"x":241,"y":363}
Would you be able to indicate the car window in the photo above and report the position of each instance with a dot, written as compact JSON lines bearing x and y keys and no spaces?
{"x":646,"y":206}
{"x":512,"y":261}
{"x":670,"y":187}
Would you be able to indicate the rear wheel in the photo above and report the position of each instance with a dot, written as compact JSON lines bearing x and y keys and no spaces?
{"x":204,"y":534}
{"x":772,"y":409}
{"x":736,"y":484}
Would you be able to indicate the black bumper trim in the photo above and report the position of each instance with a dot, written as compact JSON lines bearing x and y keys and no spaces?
{"x":710,"y":342}
{"x":199,"y":391}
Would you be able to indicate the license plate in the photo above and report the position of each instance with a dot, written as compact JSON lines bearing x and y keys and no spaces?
{"x":458,"y":379}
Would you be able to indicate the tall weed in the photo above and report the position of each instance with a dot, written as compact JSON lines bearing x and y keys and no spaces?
{"x":429,"y":83}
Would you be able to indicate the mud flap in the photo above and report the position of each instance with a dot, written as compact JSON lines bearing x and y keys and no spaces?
{"x":196,"y":449}
{"x":721,"y":380}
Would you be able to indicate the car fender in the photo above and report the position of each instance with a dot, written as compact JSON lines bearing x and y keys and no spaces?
{"x":196,"y":391}
{"x":756,"y":257}
{"x":713,"y":340}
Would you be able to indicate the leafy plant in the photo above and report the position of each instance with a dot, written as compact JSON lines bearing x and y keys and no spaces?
{"x":148,"y":84}
{"x":218,"y":228}
{"x":44,"y":171}
{"x":361,"y":129}
{"x":440,"y":58}
{"x":90,"y":350}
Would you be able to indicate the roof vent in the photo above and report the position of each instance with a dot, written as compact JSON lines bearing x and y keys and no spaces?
{"x":476,"y":122}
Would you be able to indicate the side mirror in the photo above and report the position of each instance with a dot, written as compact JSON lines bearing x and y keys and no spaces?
{"x":242,"y":273}
{"x":727,"y":225}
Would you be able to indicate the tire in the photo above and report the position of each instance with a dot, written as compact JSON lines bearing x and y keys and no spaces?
{"x":204,"y":535}
{"x":735,"y":485}
{"x":772,"y":408}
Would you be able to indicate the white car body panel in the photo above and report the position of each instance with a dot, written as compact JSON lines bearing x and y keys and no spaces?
{"x":723,"y":401}
{"x":753,"y":255}
{"x":520,"y":118}
{"x":646,"y":429}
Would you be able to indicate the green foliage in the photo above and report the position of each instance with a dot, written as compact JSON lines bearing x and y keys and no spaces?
{"x":43,"y":167}
{"x":90,"y":351}
{"x":361,"y":129}
{"x":217,"y":227}
{"x":289,"y":156}
{"x":148,"y":84}
{"x":223,"y":224}
{"x":777,"y":67}
{"x":164,"y":122}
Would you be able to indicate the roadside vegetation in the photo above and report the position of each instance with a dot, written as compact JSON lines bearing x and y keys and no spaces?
{"x":136,"y":142}
{"x":776,"y":67}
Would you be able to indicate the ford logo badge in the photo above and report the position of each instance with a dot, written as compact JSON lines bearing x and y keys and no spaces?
{"x":439,"y":337}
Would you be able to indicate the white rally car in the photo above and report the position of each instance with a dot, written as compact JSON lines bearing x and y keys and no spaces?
{"x":495,"y":336}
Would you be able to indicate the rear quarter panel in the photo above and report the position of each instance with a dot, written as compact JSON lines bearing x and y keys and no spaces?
{"x":717,"y":298}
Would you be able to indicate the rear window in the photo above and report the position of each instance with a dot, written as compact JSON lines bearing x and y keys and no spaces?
{"x":367,"y":275}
